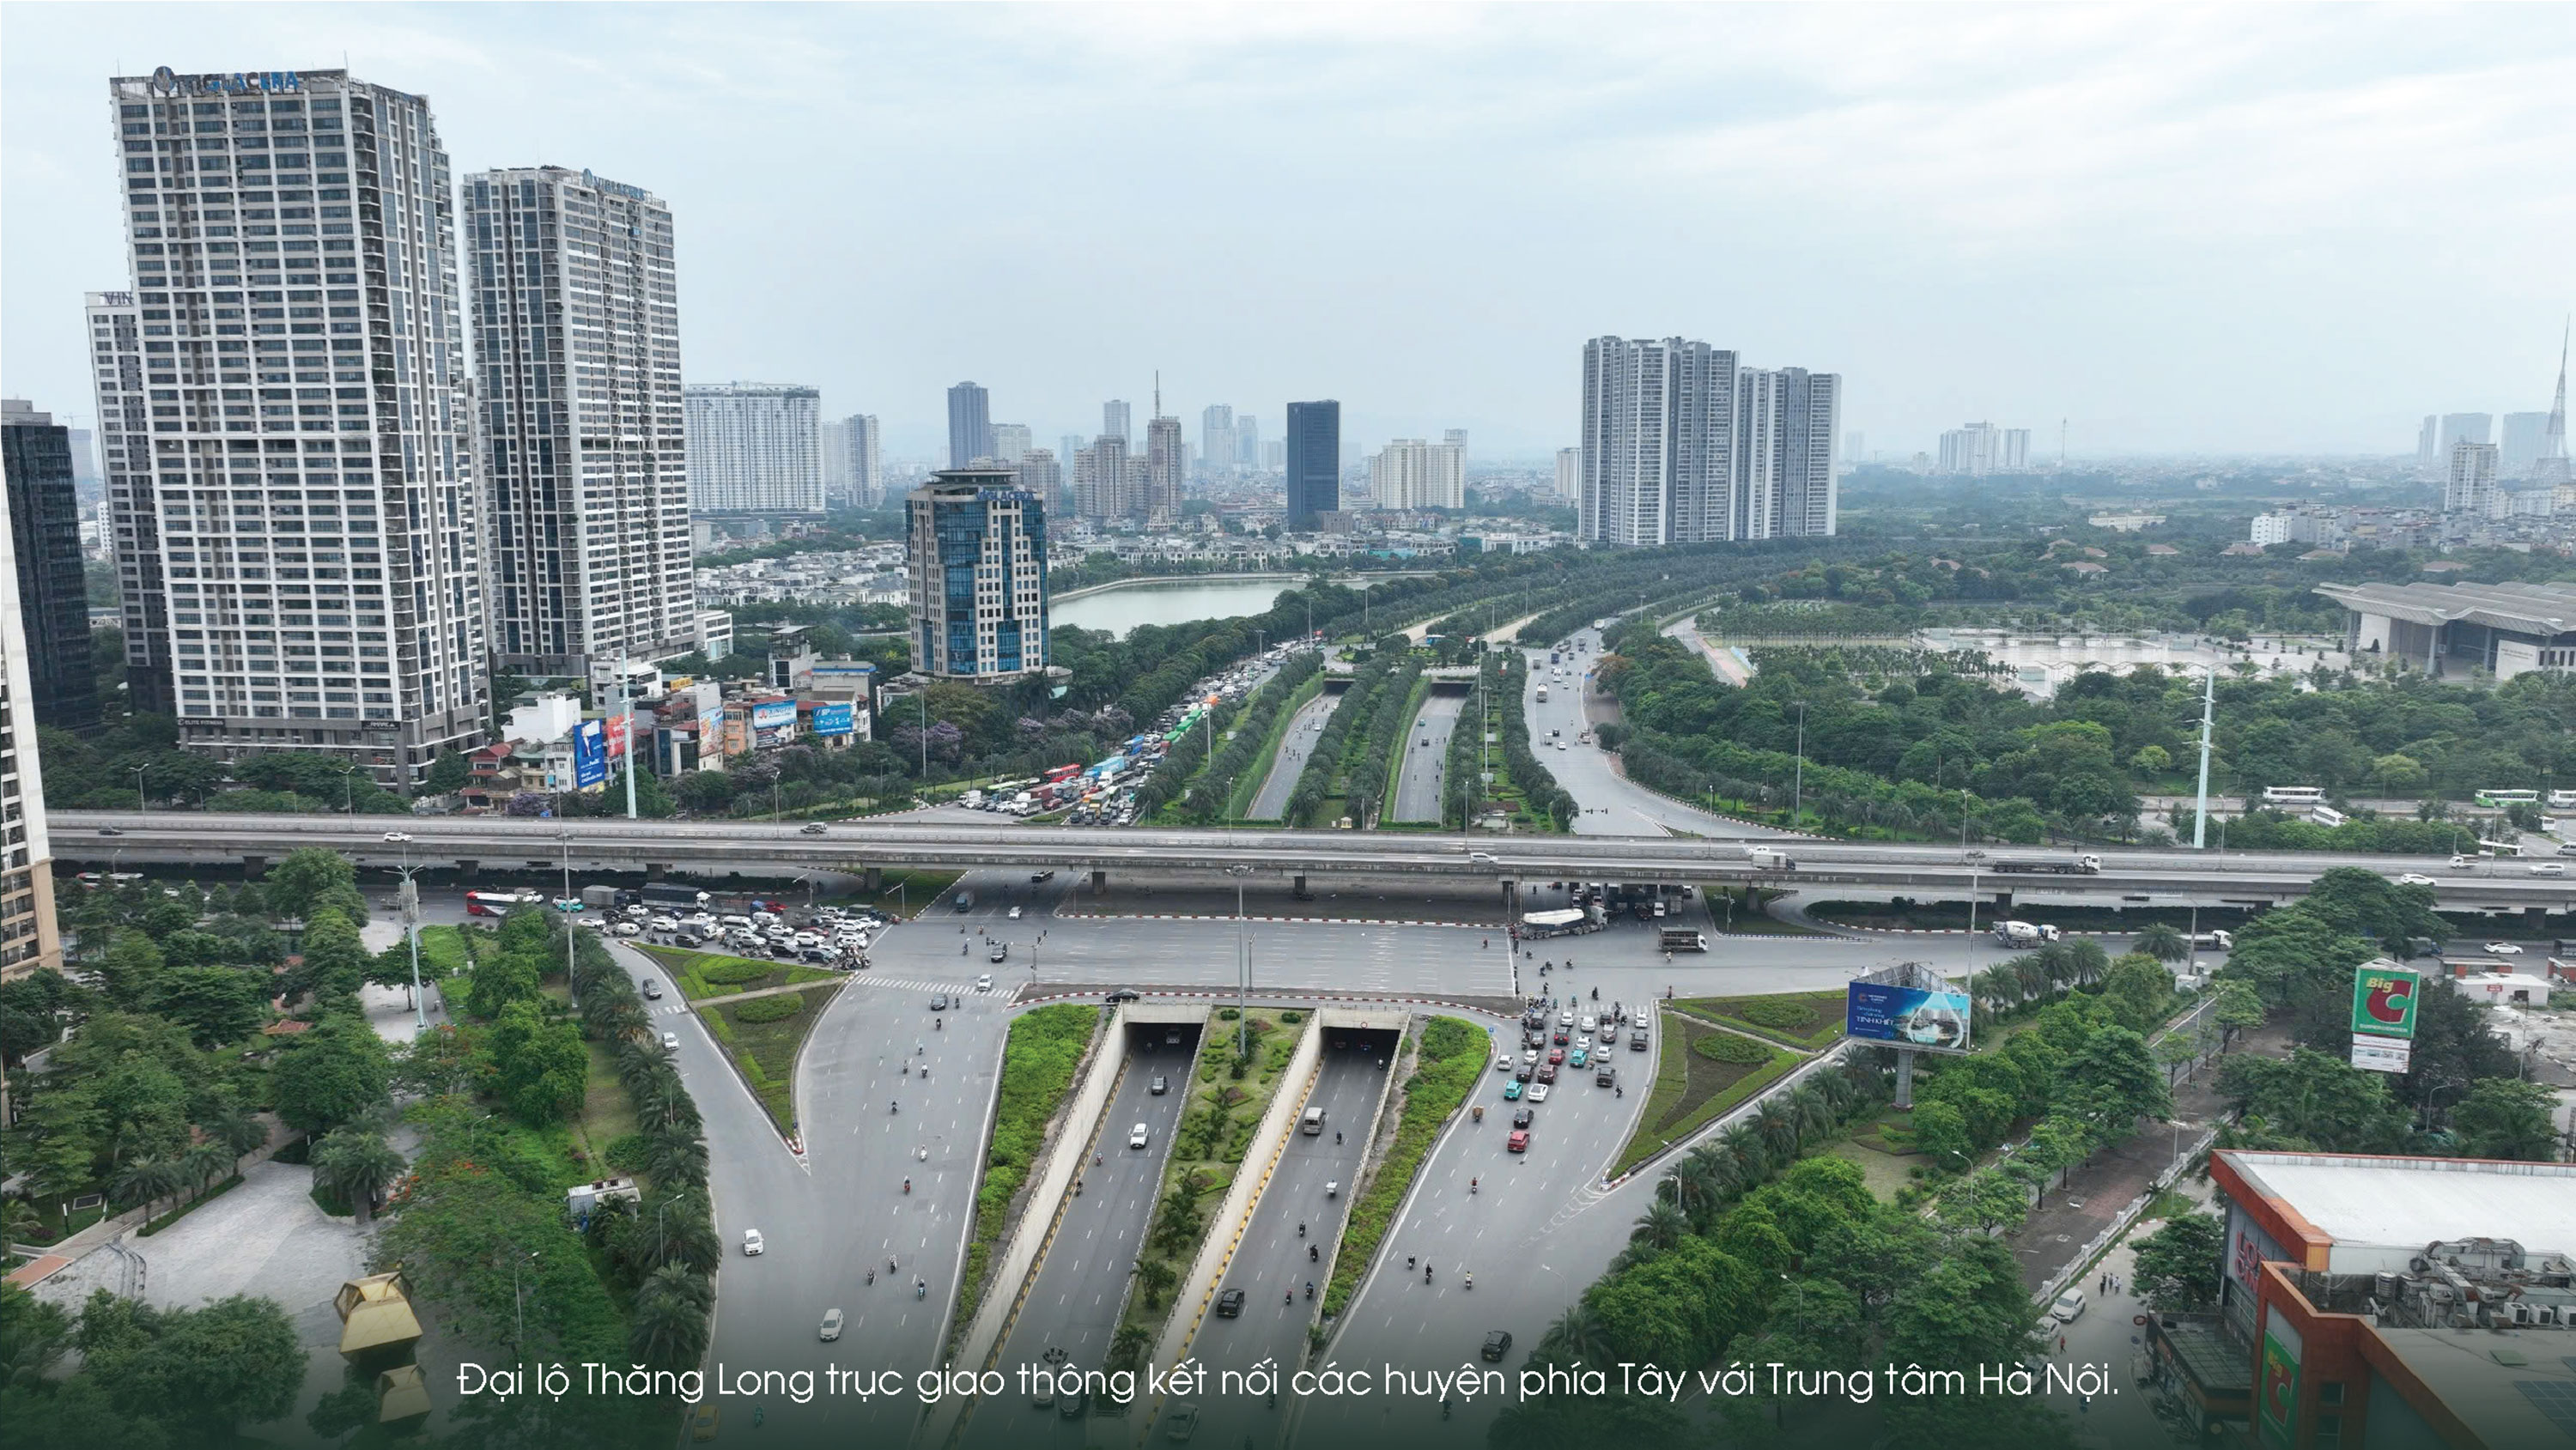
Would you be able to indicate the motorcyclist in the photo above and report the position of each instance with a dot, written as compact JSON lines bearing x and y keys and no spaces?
{"x":907,"y":1185}
{"x":1471,"y":1184}
{"x":1471,"y":1278}
{"x":1313,"y":1254}
{"x":1426,"y":1273}
{"x":1310,"y":1288}
{"x":893,"y":1108}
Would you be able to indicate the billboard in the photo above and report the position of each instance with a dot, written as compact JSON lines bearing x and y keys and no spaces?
{"x":836,"y":718}
{"x":2383,"y":999}
{"x":773,"y":722}
{"x":589,"y":755}
{"x":2276,"y":1383}
{"x":614,"y":727}
{"x":1907,"y":1017}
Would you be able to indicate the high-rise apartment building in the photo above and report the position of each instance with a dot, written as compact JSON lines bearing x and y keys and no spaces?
{"x":133,"y":515}
{"x":1312,"y":458}
{"x":1569,"y":473}
{"x":1247,"y":440}
{"x":863,"y":461}
{"x":978,"y":565}
{"x":832,"y":438}
{"x":575,"y":304}
{"x":50,"y":579}
{"x":1042,"y":474}
{"x":970,"y":424}
{"x":754,"y":448}
{"x":2459,"y":428}
{"x":1681,"y":444}
{"x":1274,"y":455}
{"x":1216,"y":436}
{"x":1106,"y":481}
{"x":1977,"y":449}
{"x":1411,"y":473}
{"x":1113,"y":420}
{"x":1011,"y":441}
{"x":2521,"y":442}
{"x":1457,"y":438}
{"x":29,"y":940}
{"x":293,"y":247}
{"x":1166,"y":468}
{"x":2428,"y":448}
{"x":1068,"y":445}
{"x":2472,"y":478}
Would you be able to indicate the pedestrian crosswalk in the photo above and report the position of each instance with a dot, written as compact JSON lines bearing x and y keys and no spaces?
{"x":912,"y":984}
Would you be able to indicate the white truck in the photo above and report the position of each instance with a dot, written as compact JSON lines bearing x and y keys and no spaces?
{"x":2024,"y":934}
{"x":1768,"y":858}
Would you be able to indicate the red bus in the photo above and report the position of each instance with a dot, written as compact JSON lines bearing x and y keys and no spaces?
{"x":497,"y":903}
{"x":1063,"y":772}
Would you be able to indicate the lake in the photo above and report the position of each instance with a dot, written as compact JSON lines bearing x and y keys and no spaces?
{"x":1121,"y":607}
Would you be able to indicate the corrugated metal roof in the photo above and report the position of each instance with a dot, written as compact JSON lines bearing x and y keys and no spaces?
{"x":2542,"y":609}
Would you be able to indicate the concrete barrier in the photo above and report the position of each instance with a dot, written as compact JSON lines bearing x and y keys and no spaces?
{"x":1225,"y":1231}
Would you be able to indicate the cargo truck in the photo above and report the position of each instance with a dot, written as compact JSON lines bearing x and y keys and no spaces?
{"x":602,"y":897}
{"x":1682,"y":939}
{"x":1565,"y":921}
{"x":1766,"y":858}
{"x":2024,"y":934}
{"x":2087,"y":865}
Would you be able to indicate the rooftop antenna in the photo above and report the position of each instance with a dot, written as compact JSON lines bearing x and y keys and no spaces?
{"x":2061,"y":442}
{"x":1158,"y":392}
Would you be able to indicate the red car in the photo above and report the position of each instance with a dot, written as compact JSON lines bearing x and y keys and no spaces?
{"x":1519,"y":1142}
{"x":1547,"y":1072}
{"x":1562,"y":1037}
{"x":1556,"y":1056}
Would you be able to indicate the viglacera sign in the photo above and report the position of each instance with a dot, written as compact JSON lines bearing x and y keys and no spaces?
{"x":167,"y":82}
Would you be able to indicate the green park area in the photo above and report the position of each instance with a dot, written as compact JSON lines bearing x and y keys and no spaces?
{"x":1808,"y":1021}
{"x":1701,"y":1071}
{"x":1039,"y":1060}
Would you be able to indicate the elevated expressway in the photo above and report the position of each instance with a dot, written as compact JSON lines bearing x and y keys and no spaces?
{"x":1868,"y":868}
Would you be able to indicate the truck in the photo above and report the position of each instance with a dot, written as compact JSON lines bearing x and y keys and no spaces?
{"x":1564,"y":921}
{"x":2221,"y":940}
{"x":2085,"y":865}
{"x":671,"y":894}
{"x":1769,"y":858}
{"x":1682,"y":939}
{"x":602,"y":897}
{"x":1542,"y":694}
{"x":2024,"y":934}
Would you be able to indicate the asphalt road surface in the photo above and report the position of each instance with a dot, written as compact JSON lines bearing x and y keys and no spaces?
{"x":1536,"y":1231}
{"x":1073,"y":1305}
{"x":1295,"y":745}
{"x":1271,"y":1264}
{"x":1612,"y":805}
{"x":1417,"y":786}
{"x":840,"y":1211}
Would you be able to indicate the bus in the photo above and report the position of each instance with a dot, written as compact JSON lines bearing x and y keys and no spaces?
{"x":2326,"y":815}
{"x":498,"y":903}
{"x":2499,"y":799}
{"x":2293,"y":795}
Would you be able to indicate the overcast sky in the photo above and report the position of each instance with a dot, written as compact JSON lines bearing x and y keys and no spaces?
{"x":2240,"y":229}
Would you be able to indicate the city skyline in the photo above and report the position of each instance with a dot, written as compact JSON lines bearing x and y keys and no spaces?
{"x":2114,"y":284}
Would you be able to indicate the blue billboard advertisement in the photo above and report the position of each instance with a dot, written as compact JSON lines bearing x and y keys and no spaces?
{"x":1906,"y":1017}
{"x":589,"y":755}
{"x":841,"y":718}
{"x":773,"y":722}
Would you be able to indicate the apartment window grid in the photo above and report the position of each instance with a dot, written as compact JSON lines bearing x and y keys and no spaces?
{"x":302,"y":368}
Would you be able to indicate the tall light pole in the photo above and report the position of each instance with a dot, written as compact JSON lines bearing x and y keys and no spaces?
{"x":142,"y":805}
{"x":1798,"y":789}
{"x":2208,"y":714}
{"x":626,"y":708}
{"x":1242,"y":963}
{"x":410,"y":906}
{"x":564,"y":915}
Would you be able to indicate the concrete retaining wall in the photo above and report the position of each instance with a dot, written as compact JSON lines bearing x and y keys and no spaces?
{"x":1368,"y":1170}
{"x":1260,"y":1160}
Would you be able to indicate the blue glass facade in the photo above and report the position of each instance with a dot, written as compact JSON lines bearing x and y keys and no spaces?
{"x":979,"y":576}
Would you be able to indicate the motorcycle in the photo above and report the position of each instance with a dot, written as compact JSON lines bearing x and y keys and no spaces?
{"x":907,"y":1185}
{"x":1471,"y":1281}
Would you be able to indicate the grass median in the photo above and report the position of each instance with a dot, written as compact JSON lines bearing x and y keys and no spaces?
{"x":1701,"y":1072}
{"x":1808,"y":1021}
{"x":1039,"y":1059}
{"x":713,"y":974}
{"x":761,"y":1036}
{"x":1448,"y":1059}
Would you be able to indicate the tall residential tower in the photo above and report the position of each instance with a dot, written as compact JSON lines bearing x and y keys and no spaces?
{"x":576,"y":310}
{"x":754,"y":448}
{"x":1684,"y":445}
{"x":292,"y":241}
{"x":1313,"y":461}
{"x":51,"y":578}
{"x":970,"y":424}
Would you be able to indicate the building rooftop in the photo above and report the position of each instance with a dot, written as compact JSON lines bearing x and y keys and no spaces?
{"x":2411,"y":1202}
{"x":2542,"y":609}
{"x":2508,"y":1387}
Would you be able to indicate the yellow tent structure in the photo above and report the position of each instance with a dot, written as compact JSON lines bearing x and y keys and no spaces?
{"x":402,"y":1393}
{"x":375,"y":1314}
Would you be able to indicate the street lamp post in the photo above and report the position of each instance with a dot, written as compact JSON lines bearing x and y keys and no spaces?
{"x":1798,"y":787}
{"x":410,"y":899}
{"x":1242,"y":964}
{"x":572,"y":989}
{"x":142,"y":804}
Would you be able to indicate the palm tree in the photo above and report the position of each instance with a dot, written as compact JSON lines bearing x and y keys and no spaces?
{"x":1809,"y":1110}
{"x":1778,"y":1129}
{"x":356,"y":1165}
{"x":1155,"y":1278}
{"x":670,"y":1328}
{"x":675,"y":1155}
{"x":146,"y":1181}
{"x":206,"y":1164}
{"x":242,"y":1134}
{"x":1575,"y":1335}
{"x":1744,"y":1144}
{"x":2163,"y":943}
{"x":1661,"y":1225}
{"x":17,"y":1222}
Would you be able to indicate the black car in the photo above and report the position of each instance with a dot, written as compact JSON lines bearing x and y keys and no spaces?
{"x":1038,"y":876}
{"x":1497,"y":1344}
{"x":1521,"y":1117}
{"x":939,"y":1003}
{"x":652,"y":990}
{"x":109,"y":831}
{"x":1229,"y":1305}
{"x":1124,"y":994}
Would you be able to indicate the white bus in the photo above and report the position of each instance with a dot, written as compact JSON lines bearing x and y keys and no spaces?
{"x":2293,"y":795}
{"x":2501,"y":798}
{"x":2327,"y":815}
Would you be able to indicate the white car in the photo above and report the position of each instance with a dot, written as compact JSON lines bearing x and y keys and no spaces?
{"x":751,"y":1244}
{"x":1537,"y":1093}
{"x":1587,"y":1024}
{"x":984,"y":983}
{"x":1140,"y":1137}
{"x":1484,"y":858}
{"x":1015,"y":913}
{"x":2503,"y":949}
{"x":2416,"y":878}
{"x":662,"y":924}
{"x":2068,"y":1308}
{"x":831,"y":1325}
{"x":397,"y":835}
{"x":2549,"y":868}
{"x":670,"y":1042}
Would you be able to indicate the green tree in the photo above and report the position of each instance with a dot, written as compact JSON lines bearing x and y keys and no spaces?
{"x":2505,"y":1117}
{"x":2315,"y":1100}
{"x":447,"y":774}
{"x":356,"y":1164}
{"x":2113,"y":1081}
{"x":500,"y":976}
{"x":1941,"y":1134}
{"x":336,"y":1073}
{"x":670,"y":1321}
{"x":216,"y":1004}
{"x":2239,"y":1008}
{"x":2140,"y":988}
{"x":132,"y":966}
{"x":204,"y":1372}
{"x":310,"y":878}
{"x":2178,"y":1265}
{"x":2162,"y":942}
{"x":335,"y":961}
{"x":539,"y":1067}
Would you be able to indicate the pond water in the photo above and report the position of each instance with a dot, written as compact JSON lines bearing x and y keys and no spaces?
{"x":1121,"y":607}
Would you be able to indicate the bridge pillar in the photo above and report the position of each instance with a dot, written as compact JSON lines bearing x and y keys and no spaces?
{"x":1100,"y":883}
{"x":252,"y":866}
{"x":1297,"y":888}
{"x":872,"y":879}
{"x":465,"y":869}
{"x":2537,"y":918}
{"x":2003,"y":901}
{"x":1904,"y":1079}
{"x":656,"y":870}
